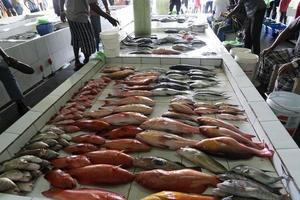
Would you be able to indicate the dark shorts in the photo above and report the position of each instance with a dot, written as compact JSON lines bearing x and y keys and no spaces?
{"x":82,"y":36}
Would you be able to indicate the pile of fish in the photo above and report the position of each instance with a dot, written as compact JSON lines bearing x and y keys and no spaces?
{"x":99,"y":155}
{"x":247,"y":182}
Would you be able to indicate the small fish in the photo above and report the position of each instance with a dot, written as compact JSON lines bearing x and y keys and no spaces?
{"x":141,"y":52}
{"x":171,"y":85}
{"x":125,"y":118}
{"x":139,"y":108}
{"x":169,"y":125}
{"x":43,"y":136}
{"x":187,"y":67}
{"x":80,"y":148}
{"x":247,"y":189}
{"x":7,"y":184}
{"x":177,"y":76}
{"x":182,"y":47}
{"x":127,"y":145}
{"x":205,"y":111}
{"x":231,"y":117}
{"x":209,"y":96}
{"x":102,"y":112}
{"x":219,"y":104}
{"x":206,"y":74}
{"x":131,"y":93}
{"x":182,"y":108}
{"x":19,"y":164}
{"x":167,"y":92}
{"x":163,"y":51}
{"x":176,"y":72}
{"x":14,"y":175}
{"x":63,"y":142}
{"x":183,"y":99}
{"x":201,"y":159}
{"x":130,"y":100}
{"x":152,"y":162}
{"x":255,"y":174}
{"x":29,"y":175}
{"x":32,"y":159}
{"x":36,"y":145}
{"x":170,"y":195}
{"x":202,"y":84}
{"x":175,"y":115}
{"x":206,"y":105}
{"x":42,"y":153}
{"x":202,"y":78}
{"x":54,"y":129}
{"x":25,"y":187}
{"x":164,"y":140}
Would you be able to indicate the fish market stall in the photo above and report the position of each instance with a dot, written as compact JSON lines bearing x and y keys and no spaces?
{"x":197,"y":116}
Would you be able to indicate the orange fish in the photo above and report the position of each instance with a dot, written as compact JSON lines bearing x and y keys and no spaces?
{"x":184,"y":180}
{"x":71,"y":162}
{"x":230,"y":148}
{"x":82,"y":194}
{"x":127,"y":145}
{"x":89,"y":138}
{"x":123,"y":132}
{"x":60,"y":179}
{"x":111,"y":157}
{"x":169,"y":195}
{"x":91,"y":125}
{"x":125,"y":118}
{"x":80,"y":148}
{"x":101,"y":174}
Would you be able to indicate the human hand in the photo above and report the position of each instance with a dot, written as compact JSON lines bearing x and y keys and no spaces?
{"x":63,"y":16}
{"x":286,"y":69}
{"x":113,"y":21}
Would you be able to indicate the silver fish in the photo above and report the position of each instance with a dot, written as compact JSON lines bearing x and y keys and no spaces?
{"x":231,"y":117}
{"x":25,"y":187}
{"x":35,"y":174}
{"x":166,"y":79}
{"x":178,"y":76}
{"x":13,"y":175}
{"x":174,"y":86}
{"x":255,"y":174}
{"x":201,"y":159}
{"x":36,"y":145}
{"x":247,"y":189}
{"x":219,"y":104}
{"x":18,"y":163}
{"x":205,"y":105}
{"x":43,"y":136}
{"x":168,"y":39}
{"x":209,"y":96}
{"x":167,"y":92}
{"x":152,"y":162}
{"x":66,"y":137}
{"x":63,"y":142}
{"x":175,"y":115}
{"x":202,"y":78}
{"x":202,"y":84}
{"x":182,"y":99}
{"x":26,"y":176}
{"x":42,"y":153}
{"x":231,"y":175}
{"x":182,"y":47}
{"x":54,"y":129}
{"x":175,"y":72}
{"x":187,"y":67}
{"x":50,"y":142}
{"x":57,"y":147}
{"x":7,"y":184}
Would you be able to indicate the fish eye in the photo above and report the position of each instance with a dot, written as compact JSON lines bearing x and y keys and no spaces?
{"x":158,"y":162}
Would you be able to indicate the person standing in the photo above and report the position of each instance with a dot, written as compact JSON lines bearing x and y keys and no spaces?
{"x":96,"y":22}
{"x":77,"y":13}
{"x":9,"y":81}
{"x":197,"y":6}
{"x":208,"y":6}
{"x":288,"y":59}
{"x":255,"y":10}
{"x":17,"y":6}
{"x":176,"y":3}
{"x":283,"y":6}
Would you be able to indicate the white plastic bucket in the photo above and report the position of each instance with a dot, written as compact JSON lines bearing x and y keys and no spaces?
{"x":111,"y":43}
{"x":248,"y":62}
{"x":286,"y":106}
{"x":234,"y":51}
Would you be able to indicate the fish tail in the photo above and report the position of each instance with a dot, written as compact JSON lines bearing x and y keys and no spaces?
{"x":259,"y":145}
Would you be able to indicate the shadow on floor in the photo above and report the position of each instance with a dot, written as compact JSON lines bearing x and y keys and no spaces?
{"x":9,"y":114}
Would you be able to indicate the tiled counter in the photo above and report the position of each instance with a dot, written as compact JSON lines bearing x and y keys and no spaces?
{"x":261,"y":120}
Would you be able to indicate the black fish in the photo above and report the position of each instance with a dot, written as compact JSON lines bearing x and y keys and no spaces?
{"x":171,"y":85}
{"x":187,"y":67}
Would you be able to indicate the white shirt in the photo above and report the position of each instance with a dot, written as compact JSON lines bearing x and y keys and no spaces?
{"x":220,"y":6}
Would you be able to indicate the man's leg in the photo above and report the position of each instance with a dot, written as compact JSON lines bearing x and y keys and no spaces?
{"x":178,"y":6}
{"x":171,"y":7}
{"x":12,"y":88}
{"x":95,"y":21}
{"x":268,"y":13}
{"x":256,"y":30}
